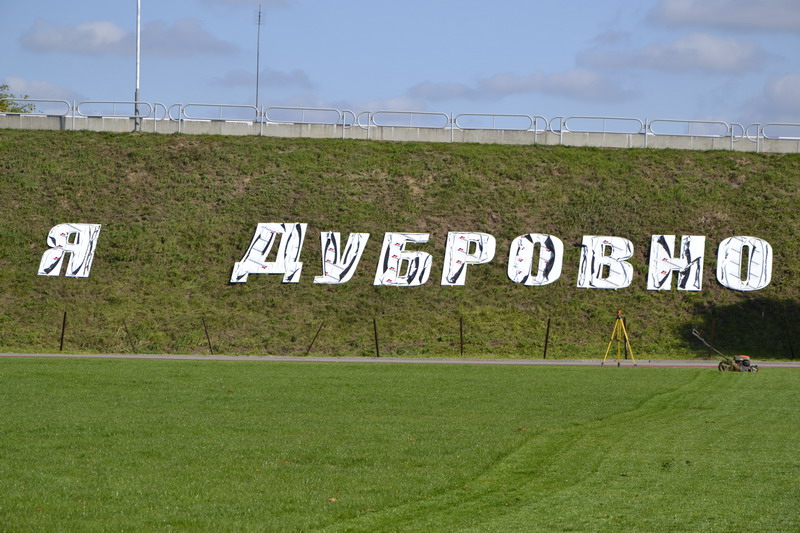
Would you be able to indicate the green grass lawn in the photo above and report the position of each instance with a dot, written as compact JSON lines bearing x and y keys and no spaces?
{"x":129,"y":445}
{"x":177,"y":212}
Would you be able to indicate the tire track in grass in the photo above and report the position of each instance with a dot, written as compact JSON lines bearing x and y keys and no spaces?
{"x":695,"y":460}
{"x":543,"y":467}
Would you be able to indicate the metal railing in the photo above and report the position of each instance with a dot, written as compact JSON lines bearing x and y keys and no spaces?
{"x":155,"y":113}
{"x":223,"y":112}
{"x":623,"y":125}
{"x":100,"y":112}
{"x":36,"y":104}
{"x":493,"y":121}
{"x":304,"y":115}
{"x":405,"y":119}
{"x":702,"y":128}
{"x":792,"y":129}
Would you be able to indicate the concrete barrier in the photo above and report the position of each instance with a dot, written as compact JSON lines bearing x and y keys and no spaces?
{"x":399,"y":134}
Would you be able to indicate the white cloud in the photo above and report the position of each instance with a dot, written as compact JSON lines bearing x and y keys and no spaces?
{"x":397,"y":103}
{"x":783,"y":15}
{"x":248,"y":3}
{"x":695,"y":52}
{"x":611,"y":37}
{"x":297,"y":78}
{"x":40,"y":89}
{"x":782,"y":93}
{"x":442,"y":91}
{"x":579,"y":84}
{"x":237,"y":78}
{"x":778,"y":102}
{"x":90,"y":38}
{"x":186,"y":37}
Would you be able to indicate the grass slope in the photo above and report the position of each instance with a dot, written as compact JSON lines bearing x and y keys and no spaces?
{"x":178,"y":211}
{"x":117,"y":445}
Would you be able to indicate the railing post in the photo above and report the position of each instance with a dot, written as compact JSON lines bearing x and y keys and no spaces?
{"x":375,"y":330}
{"x":63,"y":329}
{"x":730,"y":126}
{"x":461,"y":333}
{"x":759,"y":134}
{"x":646,"y":130}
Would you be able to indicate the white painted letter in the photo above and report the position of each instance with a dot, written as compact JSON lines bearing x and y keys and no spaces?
{"x":78,"y":240}
{"x":338,"y":268}
{"x":457,"y":255}
{"x":663,"y":263}
{"x":287,"y":261}
{"x":730,"y":260}
{"x":520,"y":259}
{"x":394,"y":254}
{"x":603,"y":264}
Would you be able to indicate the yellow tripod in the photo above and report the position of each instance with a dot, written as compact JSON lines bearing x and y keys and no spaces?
{"x":618,"y":334}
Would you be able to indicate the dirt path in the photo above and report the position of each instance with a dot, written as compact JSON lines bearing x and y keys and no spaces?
{"x":410,"y":360}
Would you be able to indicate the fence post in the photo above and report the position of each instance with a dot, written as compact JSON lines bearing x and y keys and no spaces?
{"x":315,"y":338}
{"x":461,"y":333}
{"x":646,"y":128}
{"x":788,"y":335}
{"x":210,"y":349}
{"x":128,"y":334}
{"x":63,"y":328}
{"x":546,"y":338}
{"x":452,"y":139}
{"x":375,"y":329}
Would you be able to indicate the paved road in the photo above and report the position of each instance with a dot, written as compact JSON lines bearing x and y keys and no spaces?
{"x":411,"y":360}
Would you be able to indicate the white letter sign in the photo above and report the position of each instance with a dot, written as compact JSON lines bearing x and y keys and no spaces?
{"x":78,"y":240}
{"x":287,"y":261}
{"x":663,"y":263}
{"x":394,"y":254}
{"x":457,"y":255}
{"x":337,"y":267}
{"x":730,"y":261}
{"x":520,"y":259}
{"x":603,"y":264}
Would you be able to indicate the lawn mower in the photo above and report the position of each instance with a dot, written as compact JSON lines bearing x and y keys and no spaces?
{"x":739,"y":363}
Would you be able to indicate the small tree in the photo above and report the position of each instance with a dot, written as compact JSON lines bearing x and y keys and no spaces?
{"x":7,"y":106}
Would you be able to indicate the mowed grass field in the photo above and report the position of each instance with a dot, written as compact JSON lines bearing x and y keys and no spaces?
{"x":148,"y":445}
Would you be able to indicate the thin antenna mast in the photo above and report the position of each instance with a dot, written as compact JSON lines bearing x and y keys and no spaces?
{"x":258,"y":53}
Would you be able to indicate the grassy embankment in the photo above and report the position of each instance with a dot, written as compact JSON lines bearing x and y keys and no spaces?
{"x":178,"y":211}
{"x":120,"y":445}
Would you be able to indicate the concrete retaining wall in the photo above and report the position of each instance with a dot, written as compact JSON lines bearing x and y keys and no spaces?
{"x":394,"y":133}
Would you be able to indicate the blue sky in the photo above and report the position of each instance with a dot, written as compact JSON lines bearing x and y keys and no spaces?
{"x":728,"y":60}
